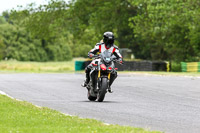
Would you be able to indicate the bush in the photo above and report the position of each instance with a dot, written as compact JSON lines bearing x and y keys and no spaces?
{"x":82,"y":50}
{"x":2,"y":20}
{"x":59,"y":51}
{"x":175,"y":66}
{"x":17,"y":43}
{"x":2,"y":47}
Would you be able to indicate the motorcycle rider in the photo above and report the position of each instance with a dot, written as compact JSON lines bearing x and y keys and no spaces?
{"x":106,"y":44}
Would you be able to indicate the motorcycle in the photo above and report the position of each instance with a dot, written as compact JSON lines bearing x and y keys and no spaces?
{"x":100,"y":75}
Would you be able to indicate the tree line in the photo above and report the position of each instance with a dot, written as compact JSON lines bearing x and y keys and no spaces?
{"x":153,"y":30}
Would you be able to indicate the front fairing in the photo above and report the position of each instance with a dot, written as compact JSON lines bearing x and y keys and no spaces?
{"x":111,"y":65}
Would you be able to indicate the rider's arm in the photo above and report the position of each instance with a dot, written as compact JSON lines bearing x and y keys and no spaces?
{"x":94,"y":50}
{"x":117,"y":53}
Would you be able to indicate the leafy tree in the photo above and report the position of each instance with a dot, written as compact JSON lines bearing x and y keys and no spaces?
{"x":2,"y":20}
{"x":156,"y":29}
{"x":45,"y":22}
{"x":17,"y":43}
{"x":103,"y":16}
{"x":85,"y":20}
{"x":166,"y":28}
{"x":2,"y":47}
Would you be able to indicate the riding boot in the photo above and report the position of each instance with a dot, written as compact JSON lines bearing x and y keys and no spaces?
{"x":112,"y":78}
{"x":87,"y":75}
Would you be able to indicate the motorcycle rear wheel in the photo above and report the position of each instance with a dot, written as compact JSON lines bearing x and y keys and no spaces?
{"x":103,"y":90}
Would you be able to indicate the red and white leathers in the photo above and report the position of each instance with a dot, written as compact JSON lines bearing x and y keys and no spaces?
{"x":101,"y":47}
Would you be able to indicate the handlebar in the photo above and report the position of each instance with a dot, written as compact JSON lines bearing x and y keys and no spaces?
{"x":94,"y":56}
{"x":113,"y":59}
{"x":117,"y":61}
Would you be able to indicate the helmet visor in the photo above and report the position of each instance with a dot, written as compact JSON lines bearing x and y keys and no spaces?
{"x":110,"y":41}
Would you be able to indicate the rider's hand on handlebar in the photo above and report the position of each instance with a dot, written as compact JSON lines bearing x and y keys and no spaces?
{"x":91,"y":55}
{"x":120,"y":61}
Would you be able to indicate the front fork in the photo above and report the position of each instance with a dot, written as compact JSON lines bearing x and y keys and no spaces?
{"x":99,"y":75}
{"x":99,"y":79}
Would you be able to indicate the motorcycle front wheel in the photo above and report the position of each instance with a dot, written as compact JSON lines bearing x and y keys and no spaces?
{"x":102,"y":90}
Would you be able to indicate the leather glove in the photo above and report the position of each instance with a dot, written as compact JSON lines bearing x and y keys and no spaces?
{"x":90,"y":55}
{"x":120,"y":61}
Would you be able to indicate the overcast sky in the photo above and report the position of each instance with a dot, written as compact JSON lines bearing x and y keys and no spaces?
{"x":9,"y":4}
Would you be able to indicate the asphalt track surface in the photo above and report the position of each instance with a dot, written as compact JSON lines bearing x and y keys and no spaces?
{"x":165,"y":103}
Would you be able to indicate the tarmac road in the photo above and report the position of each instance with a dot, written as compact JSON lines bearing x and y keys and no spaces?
{"x":166,"y":103}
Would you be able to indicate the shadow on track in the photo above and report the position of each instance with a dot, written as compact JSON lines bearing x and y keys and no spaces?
{"x":87,"y":101}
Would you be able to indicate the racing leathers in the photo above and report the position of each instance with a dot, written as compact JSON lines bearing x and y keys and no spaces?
{"x":101,"y":47}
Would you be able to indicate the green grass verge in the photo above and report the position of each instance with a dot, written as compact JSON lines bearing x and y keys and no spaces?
{"x":22,"y":117}
{"x":195,"y":74}
{"x":36,"y":67}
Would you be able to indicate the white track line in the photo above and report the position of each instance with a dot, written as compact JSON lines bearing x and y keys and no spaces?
{"x":3,"y":93}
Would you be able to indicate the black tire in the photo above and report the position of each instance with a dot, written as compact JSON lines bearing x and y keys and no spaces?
{"x":103,"y":90}
{"x":91,"y":98}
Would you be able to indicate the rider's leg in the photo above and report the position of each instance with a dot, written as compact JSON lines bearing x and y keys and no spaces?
{"x":112,"y":78}
{"x":87,"y":75}
{"x":87,"y":71}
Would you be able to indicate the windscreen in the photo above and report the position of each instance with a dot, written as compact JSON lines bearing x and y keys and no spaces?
{"x":106,"y":56}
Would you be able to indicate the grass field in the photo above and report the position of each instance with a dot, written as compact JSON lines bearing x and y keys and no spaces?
{"x":37,"y":67}
{"x":23,"y":117}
